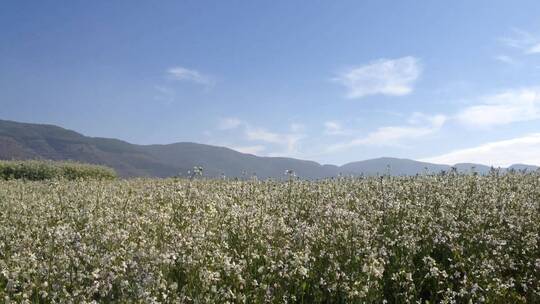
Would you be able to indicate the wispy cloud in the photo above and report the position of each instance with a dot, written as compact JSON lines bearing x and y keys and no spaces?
{"x":505,"y":59}
{"x":333,"y":128}
{"x":393,"y":77}
{"x":264,"y":135}
{"x":287,"y":142}
{"x":229,"y":123}
{"x":183,"y":74}
{"x":166,"y":92}
{"x":338,"y":128}
{"x":420,"y":125}
{"x":503,"y":108}
{"x":523,"y":150}
{"x":522,"y":40}
{"x":535,"y":49}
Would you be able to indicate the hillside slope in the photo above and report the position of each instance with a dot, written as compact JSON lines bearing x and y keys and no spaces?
{"x":40,"y":141}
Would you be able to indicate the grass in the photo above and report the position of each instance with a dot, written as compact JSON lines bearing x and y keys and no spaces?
{"x":43,"y":170}
{"x":437,"y":239}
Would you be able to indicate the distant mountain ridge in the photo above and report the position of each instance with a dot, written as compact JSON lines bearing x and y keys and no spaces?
{"x":40,"y":141}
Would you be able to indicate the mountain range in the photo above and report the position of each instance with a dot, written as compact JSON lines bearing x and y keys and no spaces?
{"x":39,"y":141}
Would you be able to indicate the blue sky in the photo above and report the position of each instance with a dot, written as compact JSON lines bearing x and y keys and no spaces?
{"x":330,"y":81}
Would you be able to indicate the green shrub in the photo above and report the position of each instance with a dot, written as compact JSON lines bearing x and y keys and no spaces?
{"x":42,"y":170}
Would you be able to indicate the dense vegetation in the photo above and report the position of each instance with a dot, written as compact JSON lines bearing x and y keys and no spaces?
{"x":42,"y":170}
{"x":442,"y":239}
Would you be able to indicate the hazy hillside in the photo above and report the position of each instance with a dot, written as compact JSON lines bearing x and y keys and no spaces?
{"x":393,"y":166}
{"x":522,"y":167}
{"x":220,"y":160}
{"x":32,"y":141}
{"x":38,"y":141}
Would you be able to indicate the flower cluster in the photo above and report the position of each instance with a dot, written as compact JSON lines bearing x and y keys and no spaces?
{"x":442,"y":239}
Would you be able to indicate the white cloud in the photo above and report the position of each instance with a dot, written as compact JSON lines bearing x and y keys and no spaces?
{"x":433,"y":120}
{"x":184,"y":74}
{"x":337,"y":128}
{"x":394,"y":77}
{"x":229,"y":123}
{"x":288,"y":140}
{"x":420,"y":125}
{"x":521,"y":150}
{"x":504,"y":108}
{"x":333,"y":128}
{"x":263,"y":135}
{"x":256,"y":149}
{"x":505,"y":59}
{"x":524,"y":41}
{"x":391,"y":135}
{"x":535,"y":49}
{"x":519,"y":39}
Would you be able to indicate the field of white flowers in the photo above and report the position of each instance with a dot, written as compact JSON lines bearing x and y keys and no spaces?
{"x":442,"y":239}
